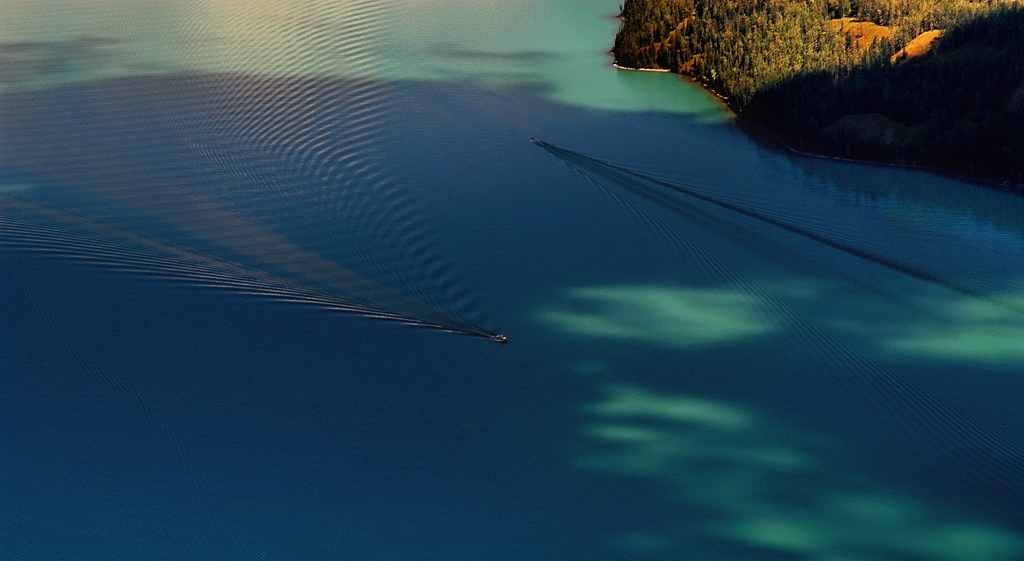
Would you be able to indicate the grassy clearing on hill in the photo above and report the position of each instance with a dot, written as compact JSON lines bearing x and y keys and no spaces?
{"x":925,"y":82}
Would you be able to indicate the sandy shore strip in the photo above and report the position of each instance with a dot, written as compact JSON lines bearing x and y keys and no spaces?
{"x":640,"y":69}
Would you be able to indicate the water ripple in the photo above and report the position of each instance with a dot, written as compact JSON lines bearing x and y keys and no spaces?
{"x":277,"y":166}
{"x":979,"y":457}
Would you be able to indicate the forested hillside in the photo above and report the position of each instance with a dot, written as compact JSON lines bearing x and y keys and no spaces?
{"x":928,"y":82}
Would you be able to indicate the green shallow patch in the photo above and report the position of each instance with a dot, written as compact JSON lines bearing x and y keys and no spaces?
{"x":658,"y":315}
{"x":629,"y":402}
{"x":772,"y":486}
{"x":977,"y":332}
{"x":559,"y":47}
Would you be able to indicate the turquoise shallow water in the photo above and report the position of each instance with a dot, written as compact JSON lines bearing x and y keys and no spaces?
{"x":230,"y":234}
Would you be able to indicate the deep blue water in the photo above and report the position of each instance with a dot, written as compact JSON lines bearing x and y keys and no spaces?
{"x":192,"y":261}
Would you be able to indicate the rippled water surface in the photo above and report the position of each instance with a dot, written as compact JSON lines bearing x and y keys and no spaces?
{"x":254,"y":257}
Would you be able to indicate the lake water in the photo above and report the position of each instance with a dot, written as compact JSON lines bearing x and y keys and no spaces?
{"x":243,"y":246}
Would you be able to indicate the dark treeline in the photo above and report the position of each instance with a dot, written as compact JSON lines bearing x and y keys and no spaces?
{"x":733,"y":46}
{"x":848,"y":78}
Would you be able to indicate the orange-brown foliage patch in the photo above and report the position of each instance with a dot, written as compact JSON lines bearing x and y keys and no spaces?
{"x":918,"y":46}
{"x":690,"y":66}
{"x":866,"y":32}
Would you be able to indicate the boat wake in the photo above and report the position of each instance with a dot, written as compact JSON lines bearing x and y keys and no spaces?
{"x":31,"y":228}
{"x":655,"y":189}
{"x":963,"y":448}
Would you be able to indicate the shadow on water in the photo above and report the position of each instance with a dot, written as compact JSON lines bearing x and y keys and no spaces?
{"x":31,"y":63}
{"x":262,"y":147}
{"x":56,"y":152}
{"x":218,"y":156}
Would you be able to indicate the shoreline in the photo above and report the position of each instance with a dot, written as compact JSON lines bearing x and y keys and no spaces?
{"x":658,"y":70}
{"x":693,"y":79}
{"x":783,"y":146}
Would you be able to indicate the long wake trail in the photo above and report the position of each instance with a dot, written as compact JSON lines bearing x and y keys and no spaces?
{"x":602,"y":167}
{"x":44,"y":231}
{"x":990,"y":463}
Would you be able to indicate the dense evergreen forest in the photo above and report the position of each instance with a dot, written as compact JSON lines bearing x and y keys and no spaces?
{"x":938,"y":83}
